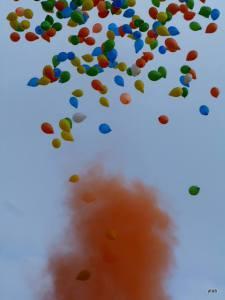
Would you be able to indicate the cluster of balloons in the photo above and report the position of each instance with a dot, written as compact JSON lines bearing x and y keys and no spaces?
{"x":146,"y":35}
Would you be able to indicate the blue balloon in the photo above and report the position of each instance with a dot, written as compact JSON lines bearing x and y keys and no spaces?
{"x":66,"y":12}
{"x":138,"y":45}
{"x":97,"y":51}
{"x":57,"y":72}
{"x":155,"y":25}
{"x":112,"y":55}
{"x":137,"y":35}
{"x":215,"y":14}
{"x":114,"y":28}
{"x":104,"y":128}
{"x":71,"y":55}
{"x":173,"y":31}
{"x":62,"y":56}
{"x":162,"y":49}
{"x":39,"y":30}
{"x":33,"y":82}
{"x":74,"y":102}
{"x":182,"y":81}
{"x":119,"y":80}
{"x":204,"y":110}
{"x":127,"y":29}
{"x":129,"y":13}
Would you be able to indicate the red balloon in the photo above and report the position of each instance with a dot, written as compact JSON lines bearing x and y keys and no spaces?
{"x":172,"y":45}
{"x":14,"y":36}
{"x":215,"y":92}
{"x":163,"y":119}
{"x":211,"y":28}
{"x":90,"y":41}
{"x":30,"y":36}
{"x":47,"y":128}
{"x":192,"y":55}
{"x":84,"y":32}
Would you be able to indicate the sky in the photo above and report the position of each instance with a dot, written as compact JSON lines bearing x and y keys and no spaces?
{"x":189,"y":151}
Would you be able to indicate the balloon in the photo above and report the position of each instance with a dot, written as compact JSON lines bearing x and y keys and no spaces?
{"x":79,"y":117}
{"x":56,"y":143}
{"x":194,"y":190}
{"x":67,"y":136}
{"x":64,"y":124}
{"x":192,"y":55}
{"x":139,"y":85}
{"x":47,"y":128}
{"x":205,"y":11}
{"x":171,"y":44}
{"x":163,"y":119}
{"x":83,"y":275}
{"x":162,"y":71}
{"x":154,"y":75}
{"x":204,"y":110}
{"x":74,"y":102}
{"x":139,"y":44}
{"x":104,"y":101}
{"x":119,"y":80}
{"x":64,"y":77}
{"x":104,"y":128}
{"x":78,"y":93}
{"x":33,"y":82}
{"x":211,"y":28}
{"x":97,"y":27}
{"x":173,"y":31}
{"x":176,"y":92}
{"x":215,"y":92}
{"x":14,"y":36}
{"x":195,"y":26}
{"x":215,"y":14}
{"x":125,"y":98}
{"x":74,"y":178}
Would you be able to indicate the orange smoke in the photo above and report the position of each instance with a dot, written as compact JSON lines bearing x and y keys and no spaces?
{"x":118,"y":245}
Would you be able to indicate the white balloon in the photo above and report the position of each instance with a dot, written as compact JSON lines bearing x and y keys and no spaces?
{"x":79,"y":117}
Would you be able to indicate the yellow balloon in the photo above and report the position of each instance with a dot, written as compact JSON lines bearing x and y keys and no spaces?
{"x":74,"y":178}
{"x":162,"y":17}
{"x":56,"y":143}
{"x":122,"y":66}
{"x":104,"y":90}
{"x":78,"y":93}
{"x":71,"y":23}
{"x":28,"y":13}
{"x":76,"y":62}
{"x":110,"y":35}
{"x":139,"y":85}
{"x":176,"y":92}
{"x":64,"y":125}
{"x":87,"y":5}
{"x":44,"y":80}
{"x":162,"y":31}
{"x":88,"y":57}
{"x":104,"y":101}
{"x":67,"y":136}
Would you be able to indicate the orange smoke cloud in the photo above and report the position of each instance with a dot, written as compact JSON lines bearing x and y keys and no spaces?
{"x":118,"y":245}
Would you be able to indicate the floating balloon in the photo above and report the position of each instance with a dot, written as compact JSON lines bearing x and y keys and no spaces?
{"x":215,"y":92}
{"x":74,"y":178}
{"x":163,"y":119}
{"x":204,"y":110}
{"x":105,"y":128}
{"x":47,"y":128}
{"x":125,"y":98}
{"x":79,"y":117}
{"x":194,"y":190}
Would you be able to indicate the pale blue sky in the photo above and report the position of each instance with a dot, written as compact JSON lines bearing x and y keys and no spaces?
{"x":190,"y":150}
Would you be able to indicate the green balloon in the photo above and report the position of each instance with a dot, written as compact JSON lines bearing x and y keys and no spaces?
{"x":45,"y":25}
{"x":162,"y":71}
{"x":154,"y":44}
{"x":205,"y":11}
{"x":108,"y":45}
{"x":55,"y":61}
{"x":64,"y":77}
{"x":156,"y":3}
{"x":74,"y":40}
{"x":185,"y":69}
{"x":194,"y":190}
{"x":70,"y":122}
{"x":49,"y":19}
{"x":154,"y":75}
{"x":48,"y":6}
{"x":77,"y":17}
{"x":93,"y":71}
{"x":57,"y":26}
{"x":195,"y":26}
{"x":185,"y":92}
{"x":190,"y":4}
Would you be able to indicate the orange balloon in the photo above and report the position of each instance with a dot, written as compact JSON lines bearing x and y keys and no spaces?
{"x":125,"y":98}
{"x":140,"y":62}
{"x":97,"y":28}
{"x":90,"y":41}
{"x":211,"y":28}
{"x":192,"y":55}
{"x":215,"y":92}
{"x":97,"y":85}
